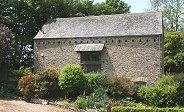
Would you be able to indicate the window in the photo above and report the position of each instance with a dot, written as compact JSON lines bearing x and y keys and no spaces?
{"x":91,"y":61}
{"x":139,"y":83}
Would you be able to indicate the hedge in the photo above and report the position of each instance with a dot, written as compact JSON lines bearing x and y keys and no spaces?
{"x":130,"y":109}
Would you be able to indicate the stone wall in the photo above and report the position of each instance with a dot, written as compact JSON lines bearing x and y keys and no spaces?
{"x":139,"y":58}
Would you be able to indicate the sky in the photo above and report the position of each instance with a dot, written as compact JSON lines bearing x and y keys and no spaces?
{"x":137,"y":6}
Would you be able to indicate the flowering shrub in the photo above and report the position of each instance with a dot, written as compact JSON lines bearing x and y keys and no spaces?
{"x":46,"y":84}
{"x":25,"y":84}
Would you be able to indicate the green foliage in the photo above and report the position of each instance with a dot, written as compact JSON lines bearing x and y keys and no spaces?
{"x":172,"y":13}
{"x":8,"y":89}
{"x":72,"y":80}
{"x":180,"y":90}
{"x":95,"y":81}
{"x":82,"y":103}
{"x":135,"y":105}
{"x":119,"y":87}
{"x":45,"y":84}
{"x":174,"y":52}
{"x":162,"y":94}
{"x":99,"y":98}
{"x":129,"y":109}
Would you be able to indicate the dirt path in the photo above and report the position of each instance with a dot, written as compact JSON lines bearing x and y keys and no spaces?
{"x":22,"y":106}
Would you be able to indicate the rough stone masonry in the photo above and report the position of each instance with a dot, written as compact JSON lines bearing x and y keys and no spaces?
{"x":124,"y":44}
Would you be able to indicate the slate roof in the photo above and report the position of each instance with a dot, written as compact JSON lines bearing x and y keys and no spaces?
{"x":132,"y":24}
{"x":89,"y":47}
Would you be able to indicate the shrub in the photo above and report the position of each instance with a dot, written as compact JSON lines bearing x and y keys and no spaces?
{"x":41,"y":85}
{"x":162,"y":94}
{"x":130,"y":109}
{"x":8,"y":89}
{"x":99,"y":98}
{"x":95,"y":81}
{"x":46,"y":84}
{"x":180,"y":90}
{"x":15,"y":75}
{"x":82,"y":103}
{"x":25,"y":84}
{"x":119,"y":87}
{"x":72,"y":80}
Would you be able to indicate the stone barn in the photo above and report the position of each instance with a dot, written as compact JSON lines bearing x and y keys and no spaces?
{"x":124,"y":44}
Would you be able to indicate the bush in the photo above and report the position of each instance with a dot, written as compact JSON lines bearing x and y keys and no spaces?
{"x":119,"y":87}
{"x":15,"y":75}
{"x":95,"y":81}
{"x":72,"y":80}
{"x":162,"y":94}
{"x":25,"y":84}
{"x":9,"y":89}
{"x":82,"y":103}
{"x":99,"y":98}
{"x":45,"y":84}
{"x":180,"y":90}
{"x":130,"y":109}
{"x":41,"y":85}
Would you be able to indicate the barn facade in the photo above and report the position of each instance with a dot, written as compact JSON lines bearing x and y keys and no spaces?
{"x":125,"y":44}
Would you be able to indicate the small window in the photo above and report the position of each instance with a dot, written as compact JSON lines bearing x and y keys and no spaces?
{"x":155,"y":40}
{"x":139,"y":83}
{"x":91,"y":61}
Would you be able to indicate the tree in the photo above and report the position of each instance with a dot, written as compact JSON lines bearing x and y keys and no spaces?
{"x":172,"y":11}
{"x":8,"y":49}
{"x":174,"y":52}
{"x":118,"y":5}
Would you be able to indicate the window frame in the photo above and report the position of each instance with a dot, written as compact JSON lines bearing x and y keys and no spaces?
{"x":88,"y":64}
